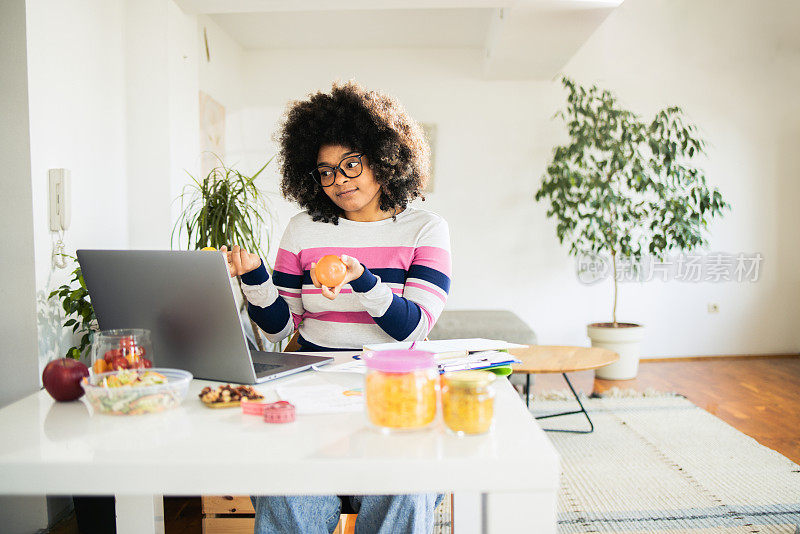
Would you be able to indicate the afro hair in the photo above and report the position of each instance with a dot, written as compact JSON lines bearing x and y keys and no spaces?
{"x":372,"y":123}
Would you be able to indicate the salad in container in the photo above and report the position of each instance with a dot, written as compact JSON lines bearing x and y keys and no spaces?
{"x":137,"y":391}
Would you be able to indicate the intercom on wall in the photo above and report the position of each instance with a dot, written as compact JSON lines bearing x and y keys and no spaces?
{"x":60,"y":199}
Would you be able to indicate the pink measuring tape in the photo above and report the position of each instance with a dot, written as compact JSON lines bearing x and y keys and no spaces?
{"x":279,"y":412}
{"x":273,"y":412}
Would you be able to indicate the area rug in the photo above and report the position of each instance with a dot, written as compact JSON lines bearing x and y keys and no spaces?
{"x":658,"y":463}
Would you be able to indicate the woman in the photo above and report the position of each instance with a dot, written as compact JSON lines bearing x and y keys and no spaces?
{"x":353,"y":159}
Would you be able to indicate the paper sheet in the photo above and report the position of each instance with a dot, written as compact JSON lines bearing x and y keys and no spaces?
{"x":327,"y":398}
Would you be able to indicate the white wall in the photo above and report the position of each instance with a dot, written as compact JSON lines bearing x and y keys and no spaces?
{"x":113,"y":98}
{"x":76,"y":76}
{"x":184,"y":109}
{"x":735,"y":70}
{"x":495,"y":139}
{"x":220,"y":74}
{"x":161,"y":60}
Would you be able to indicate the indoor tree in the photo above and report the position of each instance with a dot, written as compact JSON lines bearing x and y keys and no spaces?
{"x":623,"y":186}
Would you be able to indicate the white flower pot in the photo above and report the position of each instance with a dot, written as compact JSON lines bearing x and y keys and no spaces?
{"x":625,"y":340}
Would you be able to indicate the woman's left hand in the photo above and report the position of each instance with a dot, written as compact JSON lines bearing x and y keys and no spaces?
{"x":354,"y":270}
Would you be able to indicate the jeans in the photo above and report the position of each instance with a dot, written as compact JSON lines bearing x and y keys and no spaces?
{"x":319,"y":514}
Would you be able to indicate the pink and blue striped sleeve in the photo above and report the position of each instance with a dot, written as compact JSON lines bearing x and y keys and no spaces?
{"x":427,"y":284}
{"x":275,"y":305}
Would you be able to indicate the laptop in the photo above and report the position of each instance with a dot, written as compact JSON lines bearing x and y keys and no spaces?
{"x":186,"y":300}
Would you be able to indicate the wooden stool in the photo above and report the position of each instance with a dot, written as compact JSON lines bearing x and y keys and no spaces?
{"x":227,"y":514}
{"x":560,"y":359}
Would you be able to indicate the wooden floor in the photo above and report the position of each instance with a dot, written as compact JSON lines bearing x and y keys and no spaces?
{"x":758,"y":396}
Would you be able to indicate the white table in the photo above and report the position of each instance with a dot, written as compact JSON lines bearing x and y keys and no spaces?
{"x":502,"y":480}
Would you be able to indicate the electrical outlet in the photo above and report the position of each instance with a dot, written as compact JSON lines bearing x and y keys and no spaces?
{"x":713,"y":307}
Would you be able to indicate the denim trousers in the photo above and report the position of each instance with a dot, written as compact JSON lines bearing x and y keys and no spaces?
{"x":319,"y":514}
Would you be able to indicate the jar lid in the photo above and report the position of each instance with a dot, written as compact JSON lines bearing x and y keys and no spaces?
{"x":470,"y":378}
{"x":398,"y":361}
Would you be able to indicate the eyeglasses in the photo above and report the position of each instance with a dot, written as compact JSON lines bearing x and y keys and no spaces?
{"x":350,"y":167}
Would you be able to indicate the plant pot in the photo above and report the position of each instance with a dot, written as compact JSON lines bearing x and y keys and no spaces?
{"x":624,"y":339}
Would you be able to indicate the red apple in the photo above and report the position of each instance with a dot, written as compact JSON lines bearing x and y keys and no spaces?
{"x":62,"y":379}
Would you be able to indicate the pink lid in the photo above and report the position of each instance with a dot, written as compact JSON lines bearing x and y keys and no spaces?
{"x":398,"y":361}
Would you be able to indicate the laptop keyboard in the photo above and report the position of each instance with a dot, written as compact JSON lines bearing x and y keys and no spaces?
{"x":263,"y":368}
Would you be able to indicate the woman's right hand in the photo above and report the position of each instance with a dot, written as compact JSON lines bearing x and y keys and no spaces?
{"x":240,"y":261}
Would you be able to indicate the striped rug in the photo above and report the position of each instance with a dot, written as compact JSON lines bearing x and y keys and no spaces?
{"x":658,"y":463}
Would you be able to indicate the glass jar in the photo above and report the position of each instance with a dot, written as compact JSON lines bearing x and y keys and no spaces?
{"x":128,"y":348}
{"x":400,"y":392}
{"x":468,"y":401}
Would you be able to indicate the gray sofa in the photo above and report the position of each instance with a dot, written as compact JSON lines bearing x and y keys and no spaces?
{"x":489,"y":324}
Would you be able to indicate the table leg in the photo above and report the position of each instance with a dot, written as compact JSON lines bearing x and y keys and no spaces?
{"x":582,"y":410}
{"x":140,"y":514}
{"x":528,"y":390}
{"x":518,"y":512}
{"x":466,"y":512}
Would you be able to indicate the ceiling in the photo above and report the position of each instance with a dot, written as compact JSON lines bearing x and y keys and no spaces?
{"x":390,"y":28}
{"x":518,"y":39}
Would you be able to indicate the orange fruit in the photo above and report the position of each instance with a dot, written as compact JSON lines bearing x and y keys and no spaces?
{"x":330,"y":270}
{"x":100,"y":366}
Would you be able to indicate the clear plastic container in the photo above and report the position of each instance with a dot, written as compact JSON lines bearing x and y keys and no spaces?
{"x":468,"y":401}
{"x":129,"y":348}
{"x":107,"y":396}
{"x":400,"y":392}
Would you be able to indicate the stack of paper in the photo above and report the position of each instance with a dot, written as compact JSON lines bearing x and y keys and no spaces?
{"x":476,"y":360}
{"x":450,"y":354}
{"x":444,"y":348}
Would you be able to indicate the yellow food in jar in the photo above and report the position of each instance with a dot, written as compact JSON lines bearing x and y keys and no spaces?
{"x":401,"y":400}
{"x":468,"y":402}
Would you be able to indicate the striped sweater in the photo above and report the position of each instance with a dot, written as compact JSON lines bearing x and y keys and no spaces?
{"x":398,"y":298}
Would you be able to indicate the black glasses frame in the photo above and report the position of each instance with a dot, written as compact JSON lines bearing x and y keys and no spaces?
{"x":338,"y":168}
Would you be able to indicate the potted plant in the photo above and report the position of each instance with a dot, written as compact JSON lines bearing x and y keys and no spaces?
{"x":621,"y":188}
{"x":78,"y":310}
{"x":225,"y":208}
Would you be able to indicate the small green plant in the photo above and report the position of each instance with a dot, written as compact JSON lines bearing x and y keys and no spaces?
{"x":625,"y":187}
{"x":78,"y":309}
{"x":225,"y":208}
